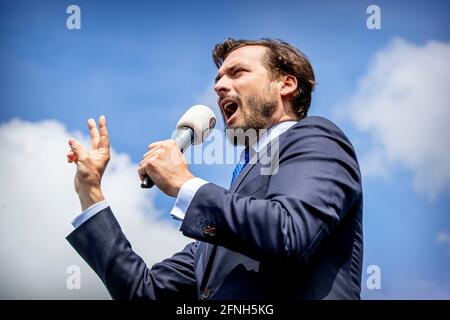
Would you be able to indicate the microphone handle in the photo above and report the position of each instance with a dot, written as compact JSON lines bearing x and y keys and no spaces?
{"x":184,"y":138}
{"x":147,"y":183}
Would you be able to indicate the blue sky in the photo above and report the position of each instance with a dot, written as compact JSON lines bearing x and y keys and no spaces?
{"x":143,"y":63}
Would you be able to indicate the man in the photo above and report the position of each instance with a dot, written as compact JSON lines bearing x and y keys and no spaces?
{"x":295,"y":234}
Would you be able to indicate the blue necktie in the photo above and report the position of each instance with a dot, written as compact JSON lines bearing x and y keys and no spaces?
{"x":240,"y":165}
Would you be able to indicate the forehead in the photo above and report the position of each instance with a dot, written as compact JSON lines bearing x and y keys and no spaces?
{"x":249,"y":54}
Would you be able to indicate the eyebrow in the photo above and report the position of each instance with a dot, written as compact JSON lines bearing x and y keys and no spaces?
{"x":228,"y":69}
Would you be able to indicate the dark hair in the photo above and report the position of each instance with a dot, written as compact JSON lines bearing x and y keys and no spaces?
{"x":281,"y":59}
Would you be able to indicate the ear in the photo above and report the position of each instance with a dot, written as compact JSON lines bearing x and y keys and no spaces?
{"x":288,"y":85}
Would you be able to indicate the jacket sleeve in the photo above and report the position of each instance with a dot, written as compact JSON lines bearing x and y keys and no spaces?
{"x":317,"y":182}
{"x":102,"y":244}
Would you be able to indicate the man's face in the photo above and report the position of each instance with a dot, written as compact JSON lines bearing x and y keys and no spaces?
{"x":247,"y":96}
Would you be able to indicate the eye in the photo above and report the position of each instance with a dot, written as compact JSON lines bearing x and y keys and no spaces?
{"x":237,"y":72}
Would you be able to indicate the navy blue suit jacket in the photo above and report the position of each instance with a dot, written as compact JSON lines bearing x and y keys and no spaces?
{"x":296,"y":234}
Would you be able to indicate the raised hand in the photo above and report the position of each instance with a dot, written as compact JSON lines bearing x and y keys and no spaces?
{"x":90,"y":164}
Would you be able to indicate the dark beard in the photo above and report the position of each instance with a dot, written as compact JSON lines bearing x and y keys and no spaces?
{"x":259,"y":113}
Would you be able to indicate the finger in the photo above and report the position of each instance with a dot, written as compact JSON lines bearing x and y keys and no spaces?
{"x":104,"y":139}
{"x":141,"y":172}
{"x":153,"y":148}
{"x":154,"y":153}
{"x":71,"y":157}
{"x":145,"y":166}
{"x":155,"y":145}
{"x":141,"y":176}
{"x":166,"y":143}
{"x":148,"y":153}
{"x":95,"y":135}
{"x":78,"y":149}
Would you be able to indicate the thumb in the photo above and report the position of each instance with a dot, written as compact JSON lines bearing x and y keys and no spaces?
{"x":78,"y":149}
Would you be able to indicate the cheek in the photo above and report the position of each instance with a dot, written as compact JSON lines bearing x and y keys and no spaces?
{"x":246,"y":84}
{"x":241,"y":87}
{"x":246,"y":92}
{"x":256,"y":86}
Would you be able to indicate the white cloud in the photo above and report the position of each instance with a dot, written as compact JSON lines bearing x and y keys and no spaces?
{"x":38,"y":202}
{"x":403,"y":103}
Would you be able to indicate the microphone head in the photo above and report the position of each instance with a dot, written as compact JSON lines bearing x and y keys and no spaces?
{"x":199,"y":118}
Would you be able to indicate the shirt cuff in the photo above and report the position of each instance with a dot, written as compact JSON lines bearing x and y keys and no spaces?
{"x":185,"y":196}
{"x":88,"y":213}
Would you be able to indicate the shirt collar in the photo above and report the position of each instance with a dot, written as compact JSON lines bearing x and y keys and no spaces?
{"x":272,"y":133}
{"x":266,"y":137}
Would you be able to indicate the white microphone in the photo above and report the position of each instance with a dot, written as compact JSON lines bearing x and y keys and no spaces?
{"x":194,"y":127}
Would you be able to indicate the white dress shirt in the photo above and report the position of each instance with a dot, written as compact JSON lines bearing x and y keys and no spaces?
{"x":190,"y":187}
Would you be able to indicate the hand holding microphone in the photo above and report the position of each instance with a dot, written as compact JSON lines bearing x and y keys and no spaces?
{"x":164,"y":164}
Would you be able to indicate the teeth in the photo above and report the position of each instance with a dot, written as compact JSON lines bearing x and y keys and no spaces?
{"x":227,"y":105}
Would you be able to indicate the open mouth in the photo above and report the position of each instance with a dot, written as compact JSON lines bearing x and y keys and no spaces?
{"x":229,"y":108}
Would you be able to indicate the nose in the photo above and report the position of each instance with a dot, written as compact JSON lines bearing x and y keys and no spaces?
{"x":222,"y":86}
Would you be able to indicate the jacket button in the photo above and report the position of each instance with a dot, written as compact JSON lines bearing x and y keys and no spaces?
{"x":212,"y":231}
{"x":209,"y":231}
{"x":206,"y":293}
